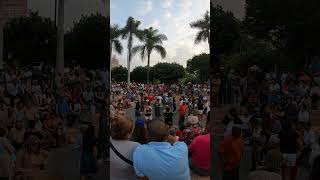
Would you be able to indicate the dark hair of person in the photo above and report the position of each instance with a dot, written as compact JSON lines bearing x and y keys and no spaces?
{"x":236,"y":132}
{"x":158,"y":131}
{"x":139,"y":134}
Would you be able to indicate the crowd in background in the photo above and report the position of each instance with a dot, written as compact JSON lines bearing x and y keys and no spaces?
{"x":160,"y":131}
{"x":37,"y":116}
{"x":273,"y":111}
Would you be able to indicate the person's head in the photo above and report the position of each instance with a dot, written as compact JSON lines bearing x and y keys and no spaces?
{"x":236,"y":132}
{"x":122,"y":128}
{"x":167,"y":108}
{"x":157,"y":131}
{"x":32,"y":145}
{"x":139,"y":132}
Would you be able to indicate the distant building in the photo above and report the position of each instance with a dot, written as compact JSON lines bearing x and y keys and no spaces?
{"x":12,"y":8}
{"x":114,"y":62}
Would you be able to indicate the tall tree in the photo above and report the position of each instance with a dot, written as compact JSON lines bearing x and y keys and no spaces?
{"x":115,"y":43}
{"x":152,"y":40}
{"x":60,"y":42}
{"x":204,"y":28}
{"x":87,"y":41}
{"x":25,"y":35}
{"x":131,"y":30}
{"x":289,"y":26}
{"x":226,"y":31}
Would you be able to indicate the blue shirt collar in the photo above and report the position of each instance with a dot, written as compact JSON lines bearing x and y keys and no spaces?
{"x":159,"y":144}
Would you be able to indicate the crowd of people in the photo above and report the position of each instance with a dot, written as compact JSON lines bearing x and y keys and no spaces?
{"x":37,"y":116}
{"x":272,"y":112}
{"x":160,"y":131}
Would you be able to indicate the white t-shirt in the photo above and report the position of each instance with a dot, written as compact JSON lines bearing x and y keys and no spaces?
{"x":118,"y":168}
{"x":303,"y":116}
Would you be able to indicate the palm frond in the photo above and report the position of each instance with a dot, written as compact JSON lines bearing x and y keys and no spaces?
{"x":117,"y":46}
{"x":141,"y":49}
{"x":201,"y":36}
{"x":161,"y":51}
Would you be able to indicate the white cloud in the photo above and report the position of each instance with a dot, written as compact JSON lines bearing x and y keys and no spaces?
{"x":167,"y":14}
{"x":180,"y":44}
{"x":167,"y":3}
{"x":185,"y":5}
{"x":146,"y":7}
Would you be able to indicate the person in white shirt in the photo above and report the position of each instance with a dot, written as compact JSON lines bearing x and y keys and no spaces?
{"x":304,"y":114}
{"x":309,"y":135}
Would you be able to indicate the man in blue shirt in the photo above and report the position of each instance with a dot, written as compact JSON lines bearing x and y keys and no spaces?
{"x":163,"y":158}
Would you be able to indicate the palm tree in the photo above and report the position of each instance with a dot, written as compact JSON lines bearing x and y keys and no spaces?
{"x":115,"y":43}
{"x":130,"y":30}
{"x":152,"y":40}
{"x":204,"y":28}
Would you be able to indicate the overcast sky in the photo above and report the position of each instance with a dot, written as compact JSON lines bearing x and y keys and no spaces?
{"x":170,"y":17}
{"x":73,"y":9}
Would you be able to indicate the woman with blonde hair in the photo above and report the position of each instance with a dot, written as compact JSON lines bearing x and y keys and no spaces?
{"x":121,"y":151}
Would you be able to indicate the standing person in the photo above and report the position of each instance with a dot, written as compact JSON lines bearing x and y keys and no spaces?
{"x":304,"y":116}
{"x":231,"y":151}
{"x":88,"y":160}
{"x":182,"y":114}
{"x":168,"y":114}
{"x":288,"y":147}
{"x":163,"y":157}
{"x":157,"y":106}
{"x":148,"y":112}
{"x":120,"y":133}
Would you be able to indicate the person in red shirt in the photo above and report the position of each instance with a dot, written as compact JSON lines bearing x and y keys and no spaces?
{"x":231,"y":150}
{"x":182,"y":113}
{"x":199,"y":150}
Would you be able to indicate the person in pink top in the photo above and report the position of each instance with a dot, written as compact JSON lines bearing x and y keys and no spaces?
{"x":199,"y":150}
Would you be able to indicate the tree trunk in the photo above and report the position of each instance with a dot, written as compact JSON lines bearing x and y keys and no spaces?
{"x":1,"y":45}
{"x":110,"y":64}
{"x":129,"y":56}
{"x":148,"y":68}
{"x":60,"y":43}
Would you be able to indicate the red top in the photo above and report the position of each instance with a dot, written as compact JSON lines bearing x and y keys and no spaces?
{"x":231,"y":150}
{"x":182,"y":109}
{"x":200,"y":152}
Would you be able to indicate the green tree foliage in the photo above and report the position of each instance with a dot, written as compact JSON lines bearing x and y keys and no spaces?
{"x":86,"y":41}
{"x":199,"y":66}
{"x":130,"y":31}
{"x":30,"y":38}
{"x":168,"y":73}
{"x":203,"y":25}
{"x":289,"y":24}
{"x":119,"y":74}
{"x":139,"y":74}
{"x":225,"y":30}
{"x":152,"y":40}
